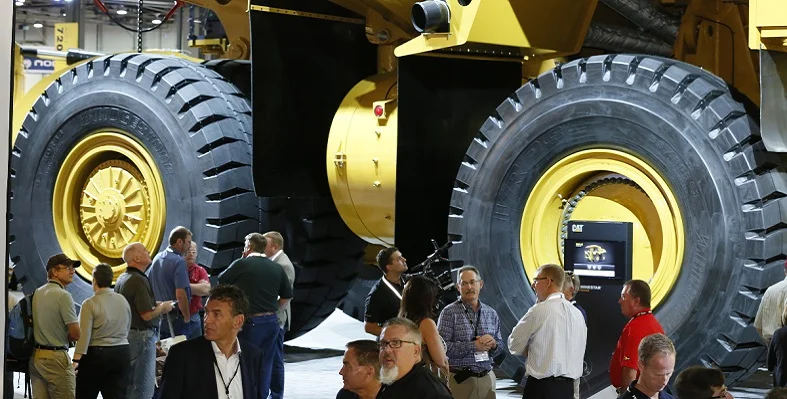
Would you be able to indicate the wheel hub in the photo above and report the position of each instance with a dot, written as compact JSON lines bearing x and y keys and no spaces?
{"x":606,"y":185}
{"x":114,"y":207}
{"x":108,"y":193}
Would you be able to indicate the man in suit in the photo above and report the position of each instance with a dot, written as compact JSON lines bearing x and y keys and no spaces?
{"x":275,"y":252}
{"x":205,"y":366}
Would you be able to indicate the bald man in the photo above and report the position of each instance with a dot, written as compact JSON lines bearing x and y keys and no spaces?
{"x":145,"y":312}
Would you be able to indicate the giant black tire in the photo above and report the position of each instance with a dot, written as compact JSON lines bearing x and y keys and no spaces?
{"x":324,"y":251}
{"x":683,"y":122}
{"x":194,"y":124}
{"x":326,"y":255}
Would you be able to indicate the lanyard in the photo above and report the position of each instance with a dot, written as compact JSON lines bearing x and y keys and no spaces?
{"x":227,"y":385}
{"x":644,"y":312}
{"x":477,"y":320}
{"x":388,"y":283}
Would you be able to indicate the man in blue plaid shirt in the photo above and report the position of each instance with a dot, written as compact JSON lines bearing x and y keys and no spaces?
{"x":471,"y":331}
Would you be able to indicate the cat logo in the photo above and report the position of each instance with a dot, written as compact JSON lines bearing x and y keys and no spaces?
{"x":595,"y":253}
{"x":577,"y":228}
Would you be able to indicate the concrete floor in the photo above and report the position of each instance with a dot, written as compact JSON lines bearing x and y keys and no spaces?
{"x":313,"y":362}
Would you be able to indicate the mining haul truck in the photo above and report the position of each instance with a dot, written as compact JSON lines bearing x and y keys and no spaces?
{"x":492,"y":124}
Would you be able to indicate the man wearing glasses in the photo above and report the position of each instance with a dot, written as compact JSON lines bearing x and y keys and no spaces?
{"x":471,"y":331}
{"x":402,"y":372}
{"x":656,"y":364}
{"x":55,"y":324}
{"x":702,"y":383}
{"x":552,"y":335}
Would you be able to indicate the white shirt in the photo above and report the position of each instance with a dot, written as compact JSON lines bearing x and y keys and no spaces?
{"x":276,"y":255}
{"x":228,"y":367}
{"x":769,"y":314}
{"x":255,"y":254}
{"x":552,"y":334}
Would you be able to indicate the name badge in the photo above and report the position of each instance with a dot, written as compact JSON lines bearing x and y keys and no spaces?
{"x":482,"y":356}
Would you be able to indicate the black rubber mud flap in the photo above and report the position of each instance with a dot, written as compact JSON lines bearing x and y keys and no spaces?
{"x":326,"y":255}
{"x":683,"y":122}
{"x":195,"y":125}
{"x":237,"y":72}
{"x":324,"y":251}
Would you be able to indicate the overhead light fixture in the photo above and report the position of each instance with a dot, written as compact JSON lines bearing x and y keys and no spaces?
{"x":64,"y":14}
{"x":122,"y":12}
{"x":156,"y":21}
{"x":38,"y":25}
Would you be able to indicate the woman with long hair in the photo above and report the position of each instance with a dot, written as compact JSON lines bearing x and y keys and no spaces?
{"x":418,"y":305}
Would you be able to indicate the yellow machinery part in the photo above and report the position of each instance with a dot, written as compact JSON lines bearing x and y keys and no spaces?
{"x":19,"y":74}
{"x":713,"y":36}
{"x":768,"y":25}
{"x":555,"y":26}
{"x":648,"y":203}
{"x":361,"y":158}
{"x":108,"y":194}
{"x":234,"y":17}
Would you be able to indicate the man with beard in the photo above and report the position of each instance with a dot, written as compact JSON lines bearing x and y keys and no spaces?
{"x":401,"y":371}
{"x":360,"y":370}
{"x":385,"y":298}
{"x":471,"y":331}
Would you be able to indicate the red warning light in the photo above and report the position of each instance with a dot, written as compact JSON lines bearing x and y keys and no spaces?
{"x":378,"y":110}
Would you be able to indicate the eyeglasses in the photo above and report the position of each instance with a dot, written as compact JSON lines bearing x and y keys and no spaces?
{"x":69,"y":268}
{"x":467,"y":283}
{"x":394,"y":344}
{"x":540,"y":278}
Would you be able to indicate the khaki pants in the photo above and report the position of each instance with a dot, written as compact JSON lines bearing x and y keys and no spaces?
{"x":474,"y":388}
{"x":51,"y":375}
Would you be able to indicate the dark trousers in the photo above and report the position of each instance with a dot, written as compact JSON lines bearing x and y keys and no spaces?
{"x":264,"y":332}
{"x":181,"y":327}
{"x":105,"y":369}
{"x":277,"y":372}
{"x":549,"y":388}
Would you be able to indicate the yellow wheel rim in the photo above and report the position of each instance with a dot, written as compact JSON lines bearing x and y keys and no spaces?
{"x":108,"y":193}
{"x":606,"y":185}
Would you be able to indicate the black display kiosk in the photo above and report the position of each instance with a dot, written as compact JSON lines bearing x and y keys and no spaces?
{"x":600,"y":253}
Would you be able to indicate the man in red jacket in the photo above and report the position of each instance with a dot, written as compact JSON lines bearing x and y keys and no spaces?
{"x":200,"y":287}
{"x":635,"y":304}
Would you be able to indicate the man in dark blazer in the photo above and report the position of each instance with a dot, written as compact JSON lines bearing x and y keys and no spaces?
{"x":216,"y":365}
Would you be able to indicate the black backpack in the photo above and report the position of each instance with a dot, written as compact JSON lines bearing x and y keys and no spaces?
{"x":20,"y":342}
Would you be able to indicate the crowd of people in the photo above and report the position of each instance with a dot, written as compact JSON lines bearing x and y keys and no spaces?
{"x":236,"y":350}
{"x":459,"y":350}
{"x":236,"y":353}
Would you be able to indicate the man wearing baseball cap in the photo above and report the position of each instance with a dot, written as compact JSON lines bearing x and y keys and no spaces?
{"x":55,"y":324}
